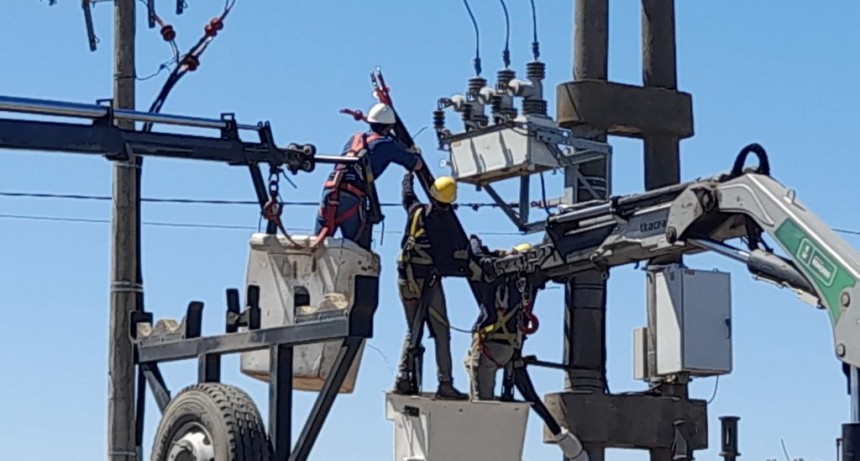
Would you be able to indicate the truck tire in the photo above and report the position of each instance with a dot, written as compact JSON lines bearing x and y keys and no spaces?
{"x":211,"y":422}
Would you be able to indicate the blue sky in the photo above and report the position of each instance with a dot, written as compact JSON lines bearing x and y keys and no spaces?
{"x":779,"y":73}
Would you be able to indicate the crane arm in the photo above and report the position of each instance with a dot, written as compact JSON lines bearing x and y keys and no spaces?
{"x":703,"y":215}
{"x":818,"y":264}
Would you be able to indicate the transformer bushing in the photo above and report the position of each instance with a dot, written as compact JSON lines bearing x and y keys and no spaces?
{"x":535,"y":105}
{"x":531,"y":90}
{"x":477,"y":97}
{"x":503,"y":100}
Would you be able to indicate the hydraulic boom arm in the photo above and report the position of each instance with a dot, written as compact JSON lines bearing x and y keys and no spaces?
{"x":820,"y":263}
{"x":700,"y":216}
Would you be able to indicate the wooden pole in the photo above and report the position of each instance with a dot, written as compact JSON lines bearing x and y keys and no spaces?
{"x":124,"y":286}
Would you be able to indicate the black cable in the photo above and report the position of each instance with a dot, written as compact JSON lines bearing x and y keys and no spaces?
{"x":184,"y":224}
{"x":477,"y":40}
{"x":543,"y":194}
{"x":506,"y":53}
{"x":473,"y":205}
{"x":535,"y":43}
{"x":716,"y":387}
{"x":182,"y":67}
{"x":108,"y":221}
{"x":254,"y":202}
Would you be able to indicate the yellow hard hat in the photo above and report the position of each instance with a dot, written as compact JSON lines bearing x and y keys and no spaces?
{"x":444,"y":189}
{"x":522,"y":247}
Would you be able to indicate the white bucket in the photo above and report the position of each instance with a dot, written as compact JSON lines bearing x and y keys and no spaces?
{"x":427,"y":429}
{"x":296,"y":283}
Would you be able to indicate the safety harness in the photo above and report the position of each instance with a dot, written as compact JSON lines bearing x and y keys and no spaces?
{"x":414,"y":253}
{"x":336,"y":184}
{"x":527,"y":323}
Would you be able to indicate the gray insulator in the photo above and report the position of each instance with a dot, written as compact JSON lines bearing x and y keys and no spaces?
{"x":536,"y":70}
{"x":475,"y":84}
{"x":504,"y":76}
{"x":534,"y":107}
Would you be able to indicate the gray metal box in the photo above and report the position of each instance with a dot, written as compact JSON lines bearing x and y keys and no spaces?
{"x":693,"y":321}
{"x":533,"y":145}
{"x":498,"y":155}
{"x":640,"y":354}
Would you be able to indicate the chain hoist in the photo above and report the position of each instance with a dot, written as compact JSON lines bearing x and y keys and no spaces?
{"x":272,"y":209}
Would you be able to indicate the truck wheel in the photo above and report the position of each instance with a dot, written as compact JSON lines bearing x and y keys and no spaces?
{"x":211,"y":422}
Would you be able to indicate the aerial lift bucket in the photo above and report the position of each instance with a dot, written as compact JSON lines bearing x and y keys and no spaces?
{"x":429,"y":429}
{"x":298,"y":285}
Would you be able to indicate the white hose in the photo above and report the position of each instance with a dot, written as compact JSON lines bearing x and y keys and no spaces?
{"x":570,"y":446}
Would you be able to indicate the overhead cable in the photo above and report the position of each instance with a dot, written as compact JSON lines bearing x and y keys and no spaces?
{"x":535,"y":42}
{"x":44,"y":195}
{"x":506,"y":53}
{"x":186,"y":225}
{"x":477,"y":60}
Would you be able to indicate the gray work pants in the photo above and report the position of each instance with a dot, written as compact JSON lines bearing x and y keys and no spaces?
{"x":410,"y":296}
{"x":483,"y":363}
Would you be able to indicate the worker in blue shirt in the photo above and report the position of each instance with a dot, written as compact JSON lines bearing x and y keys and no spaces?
{"x":349,"y":200}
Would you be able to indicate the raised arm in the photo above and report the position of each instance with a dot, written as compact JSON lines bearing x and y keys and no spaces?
{"x":408,"y":192}
{"x":394,"y":152}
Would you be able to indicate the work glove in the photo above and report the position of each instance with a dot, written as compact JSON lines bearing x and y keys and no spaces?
{"x":488,"y":269}
{"x":414,"y":149}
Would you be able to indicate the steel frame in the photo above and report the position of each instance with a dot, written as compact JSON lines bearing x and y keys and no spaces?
{"x":575,"y":152}
{"x":103,"y":137}
{"x":188,"y":343}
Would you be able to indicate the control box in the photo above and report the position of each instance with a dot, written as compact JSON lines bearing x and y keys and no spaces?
{"x":692,"y":329}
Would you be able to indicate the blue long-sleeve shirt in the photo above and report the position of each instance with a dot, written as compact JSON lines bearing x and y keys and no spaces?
{"x":381,"y":153}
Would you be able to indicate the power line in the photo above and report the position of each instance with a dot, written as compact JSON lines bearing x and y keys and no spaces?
{"x":186,"y":225}
{"x":107,"y":221}
{"x":44,"y":195}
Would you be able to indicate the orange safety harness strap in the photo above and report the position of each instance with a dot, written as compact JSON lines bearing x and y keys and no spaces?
{"x":331,"y":218}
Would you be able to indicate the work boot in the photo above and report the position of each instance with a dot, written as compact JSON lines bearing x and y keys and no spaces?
{"x":405,"y":386}
{"x":447,"y":391}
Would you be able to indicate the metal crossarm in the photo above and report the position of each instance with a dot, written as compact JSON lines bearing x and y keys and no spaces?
{"x":102,"y":137}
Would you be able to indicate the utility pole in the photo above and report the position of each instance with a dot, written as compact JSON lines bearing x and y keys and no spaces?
{"x":585,"y":294}
{"x":661,"y":150}
{"x":659,"y":70}
{"x":669,"y":425}
{"x":125,"y":288}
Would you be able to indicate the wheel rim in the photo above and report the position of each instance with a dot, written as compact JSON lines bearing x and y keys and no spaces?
{"x":192,"y":442}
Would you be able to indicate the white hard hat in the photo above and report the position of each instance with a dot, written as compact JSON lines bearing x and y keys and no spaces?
{"x":381,"y":113}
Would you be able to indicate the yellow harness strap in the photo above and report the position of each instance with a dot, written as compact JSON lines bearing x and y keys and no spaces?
{"x":421,"y":256}
{"x":499,"y":330}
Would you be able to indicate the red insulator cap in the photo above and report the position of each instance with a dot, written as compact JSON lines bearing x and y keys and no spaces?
{"x":191,"y":62}
{"x":209,"y":30}
{"x":168,"y":33}
{"x":216,"y":23}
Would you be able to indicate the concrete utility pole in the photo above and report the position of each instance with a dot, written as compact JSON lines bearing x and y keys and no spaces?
{"x":659,"y":70}
{"x":585,"y":294}
{"x":662,"y":154}
{"x":660,"y":115}
{"x":125,"y":288}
